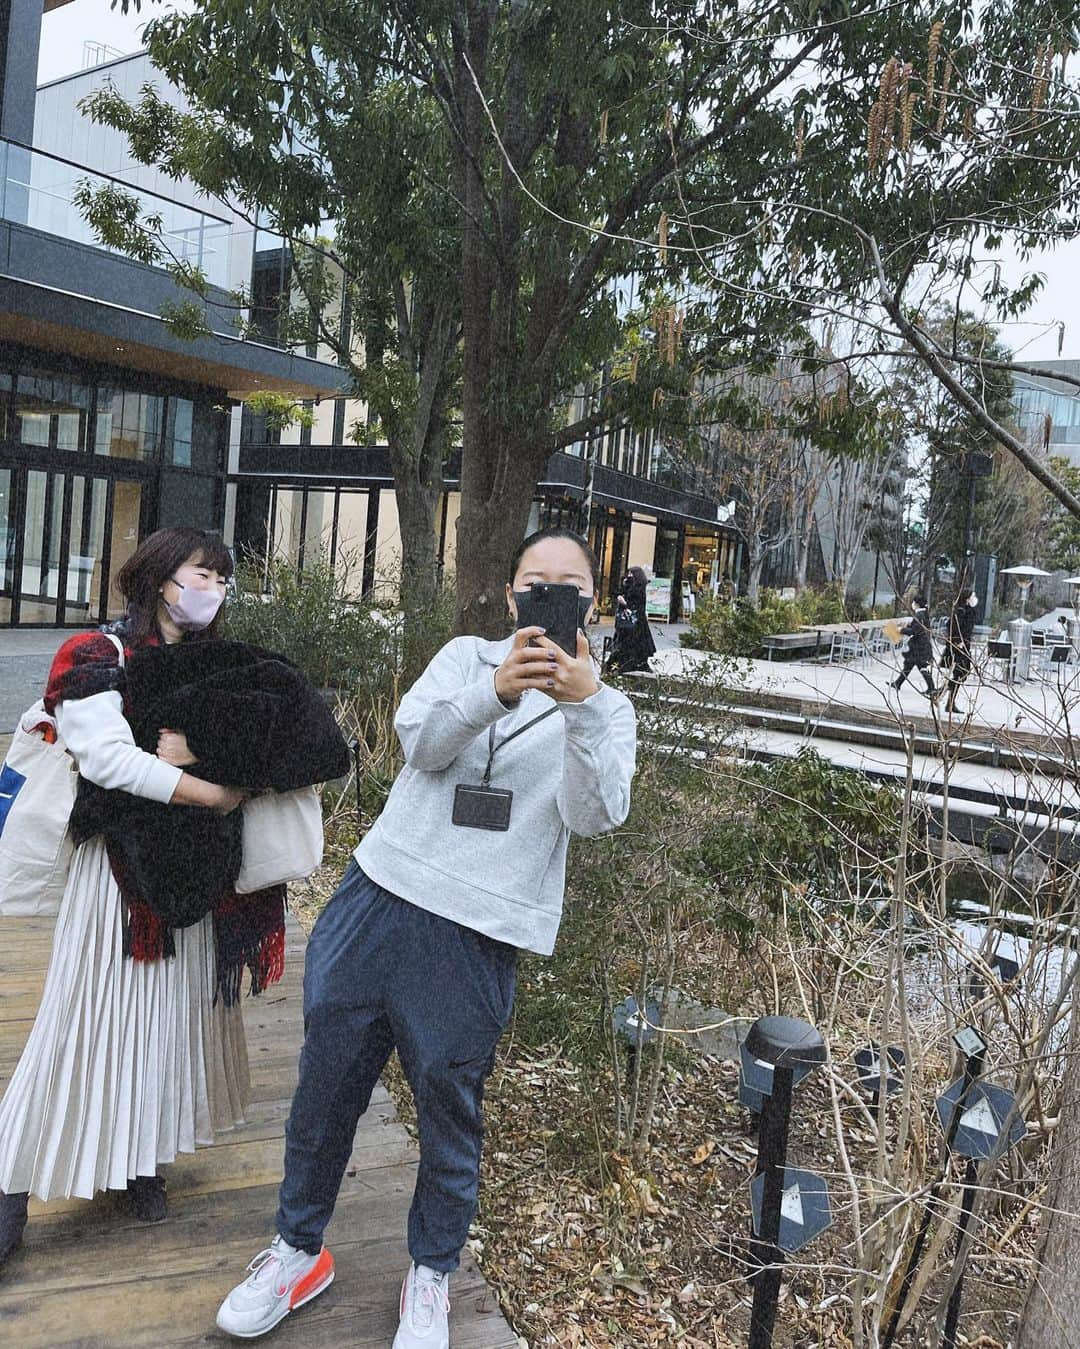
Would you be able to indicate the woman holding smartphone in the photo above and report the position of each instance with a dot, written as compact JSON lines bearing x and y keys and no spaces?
{"x":510,"y":747}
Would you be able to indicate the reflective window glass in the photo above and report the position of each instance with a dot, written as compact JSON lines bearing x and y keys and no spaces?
{"x":129,"y":424}
{"x":50,"y":410}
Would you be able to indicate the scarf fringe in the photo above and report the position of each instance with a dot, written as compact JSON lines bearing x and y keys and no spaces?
{"x":249,"y":933}
{"x":265,"y":960}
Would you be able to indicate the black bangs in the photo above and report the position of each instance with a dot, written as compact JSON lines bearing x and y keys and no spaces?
{"x":216,"y":556}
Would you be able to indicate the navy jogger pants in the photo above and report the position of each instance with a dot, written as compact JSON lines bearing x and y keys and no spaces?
{"x":381,"y":974}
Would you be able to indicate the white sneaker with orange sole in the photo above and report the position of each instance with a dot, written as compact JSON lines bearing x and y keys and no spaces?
{"x":281,"y":1280}
{"x":425,"y":1308}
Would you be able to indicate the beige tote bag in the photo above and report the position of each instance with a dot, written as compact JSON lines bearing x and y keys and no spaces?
{"x":282,"y":838}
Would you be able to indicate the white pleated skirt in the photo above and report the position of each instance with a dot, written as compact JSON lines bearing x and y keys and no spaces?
{"x":128,"y":1062}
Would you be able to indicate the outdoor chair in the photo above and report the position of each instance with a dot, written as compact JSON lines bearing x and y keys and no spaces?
{"x":1056,"y":665}
{"x":999,"y":653}
{"x":845,"y":646}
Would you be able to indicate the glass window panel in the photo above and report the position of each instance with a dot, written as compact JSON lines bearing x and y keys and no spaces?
{"x":178,"y":441}
{"x":5,"y":406}
{"x":50,"y":410}
{"x":41,"y":547}
{"x":86,"y":550}
{"x":127,"y":505}
{"x":129,"y":424}
{"x":208,"y":437}
{"x":196,"y":435}
{"x":7,"y":542}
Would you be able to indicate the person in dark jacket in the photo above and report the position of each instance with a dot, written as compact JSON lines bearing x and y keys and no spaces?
{"x":920,"y":648}
{"x":956,"y":657}
{"x":633,"y":642}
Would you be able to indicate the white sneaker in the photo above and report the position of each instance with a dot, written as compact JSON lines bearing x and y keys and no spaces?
{"x":425,"y":1306}
{"x":282,"y":1279}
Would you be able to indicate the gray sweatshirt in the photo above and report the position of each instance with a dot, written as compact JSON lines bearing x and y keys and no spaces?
{"x":569,"y":774}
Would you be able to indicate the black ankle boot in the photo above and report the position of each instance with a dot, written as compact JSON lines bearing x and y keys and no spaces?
{"x":147,"y":1195}
{"x":12,"y":1222}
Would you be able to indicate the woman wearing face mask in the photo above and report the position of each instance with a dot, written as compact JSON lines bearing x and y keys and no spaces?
{"x":632,"y":646}
{"x":138,"y":1052}
{"x":920,"y":648}
{"x":956,"y":657}
{"x":510,"y":747}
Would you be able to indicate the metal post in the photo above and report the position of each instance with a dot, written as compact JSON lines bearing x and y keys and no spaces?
{"x":952,"y":1314}
{"x":356,"y":765}
{"x":973,"y":1067}
{"x":764,"y":1250}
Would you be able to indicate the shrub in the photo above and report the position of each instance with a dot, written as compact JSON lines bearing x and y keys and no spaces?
{"x":738,"y":629}
{"x":340,"y":643}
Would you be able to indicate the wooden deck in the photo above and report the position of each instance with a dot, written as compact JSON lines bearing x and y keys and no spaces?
{"x":87,"y":1275}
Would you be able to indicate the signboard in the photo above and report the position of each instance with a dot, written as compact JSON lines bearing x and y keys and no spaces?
{"x":979,"y":1132}
{"x":805,"y":1211}
{"x":658,"y":598}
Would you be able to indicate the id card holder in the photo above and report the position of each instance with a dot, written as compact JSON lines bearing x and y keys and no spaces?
{"x":482,"y":807}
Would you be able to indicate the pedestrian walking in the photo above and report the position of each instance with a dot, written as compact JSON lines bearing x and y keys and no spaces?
{"x":633,"y":644}
{"x":920,"y":647}
{"x":956,"y":658}
{"x":510,"y":746}
{"x":137,"y":1051}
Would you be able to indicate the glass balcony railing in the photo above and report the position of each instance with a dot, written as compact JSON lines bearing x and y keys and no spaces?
{"x":38,"y":190}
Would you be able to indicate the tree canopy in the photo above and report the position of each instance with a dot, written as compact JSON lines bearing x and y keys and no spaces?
{"x":782,"y":178}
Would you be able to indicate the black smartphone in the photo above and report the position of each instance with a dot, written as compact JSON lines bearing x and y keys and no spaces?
{"x":552,"y":607}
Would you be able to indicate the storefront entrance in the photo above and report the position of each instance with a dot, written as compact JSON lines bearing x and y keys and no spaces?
{"x":63,"y":538}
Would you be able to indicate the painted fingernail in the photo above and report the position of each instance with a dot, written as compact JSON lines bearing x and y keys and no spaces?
{"x":551,"y":683}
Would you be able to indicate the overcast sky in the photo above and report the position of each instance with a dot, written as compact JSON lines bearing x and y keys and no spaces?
{"x":66,"y":30}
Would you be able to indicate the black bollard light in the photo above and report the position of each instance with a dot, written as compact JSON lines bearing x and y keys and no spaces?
{"x":978,"y":1120}
{"x":868,"y":1062}
{"x":635,"y":1029}
{"x":1006,"y":970}
{"x":981,"y":1121}
{"x":789,"y":1047}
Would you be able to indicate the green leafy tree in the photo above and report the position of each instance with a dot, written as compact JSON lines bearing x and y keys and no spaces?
{"x":771,"y":163}
{"x":1059,"y":532}
{"x":297,"y":137}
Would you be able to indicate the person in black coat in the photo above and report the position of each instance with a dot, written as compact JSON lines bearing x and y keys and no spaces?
{"x":956,"y":657}
{"x":920,"y":647}
{"x":633,"y":643}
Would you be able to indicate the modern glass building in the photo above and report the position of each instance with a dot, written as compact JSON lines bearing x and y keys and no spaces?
{"x":1036,"y":398}
{"x":111,"y":425}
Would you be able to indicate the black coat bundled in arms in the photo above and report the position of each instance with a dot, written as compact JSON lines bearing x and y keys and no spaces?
{"x":252,"y":720}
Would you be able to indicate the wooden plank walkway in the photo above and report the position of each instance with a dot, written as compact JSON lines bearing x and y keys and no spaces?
{"x":87,"y":1275}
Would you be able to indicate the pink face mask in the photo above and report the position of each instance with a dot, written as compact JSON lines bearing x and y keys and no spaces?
{"x":195,"y":609}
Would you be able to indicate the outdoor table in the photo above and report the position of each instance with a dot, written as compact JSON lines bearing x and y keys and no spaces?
{"x":790,"y":641}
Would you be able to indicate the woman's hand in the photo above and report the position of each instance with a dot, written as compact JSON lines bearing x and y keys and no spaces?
{"x":228,"y":800}
{"x":172,"y":746}
{"x":570,"y":679}
{"x":525,"y":667}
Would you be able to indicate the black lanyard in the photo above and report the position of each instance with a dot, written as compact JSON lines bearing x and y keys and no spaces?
{"x":493,"y":749}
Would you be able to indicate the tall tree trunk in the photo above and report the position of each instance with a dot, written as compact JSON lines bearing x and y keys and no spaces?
{"x":1052,"y":1310}
{"x":802,"y":550}
{"x":496,"y":495}
{"x":753,"y":582}
{"x":417,"y":504}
